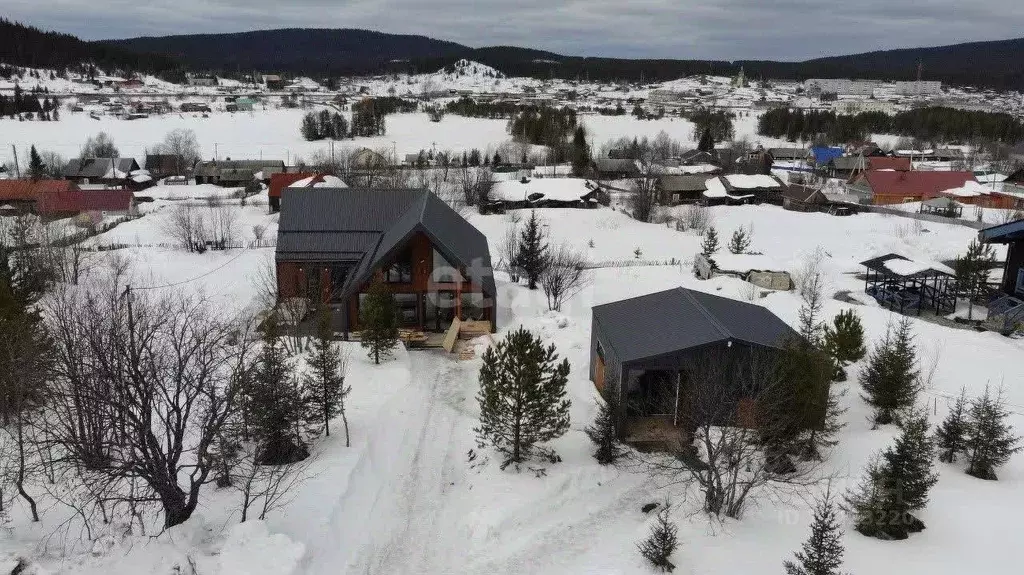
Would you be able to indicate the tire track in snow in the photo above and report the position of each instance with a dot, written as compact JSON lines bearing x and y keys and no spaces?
{"x":386,"y":522}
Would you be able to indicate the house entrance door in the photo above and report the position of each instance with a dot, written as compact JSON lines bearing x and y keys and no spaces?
{"x":440,"y":310}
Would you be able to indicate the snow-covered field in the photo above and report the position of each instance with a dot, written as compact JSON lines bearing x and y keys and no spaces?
{"x":274,"y":133}
{"x":405,"y":497}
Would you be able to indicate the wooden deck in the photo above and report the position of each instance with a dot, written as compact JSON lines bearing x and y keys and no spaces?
{"x":654,"y":433}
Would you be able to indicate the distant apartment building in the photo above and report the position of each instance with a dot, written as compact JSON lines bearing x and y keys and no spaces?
{"x":918,"y":87}
{"x":858,"y":106}
{"x":840,"y":86}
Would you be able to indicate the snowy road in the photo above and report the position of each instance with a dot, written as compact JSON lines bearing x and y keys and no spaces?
{"x":393,"y":518}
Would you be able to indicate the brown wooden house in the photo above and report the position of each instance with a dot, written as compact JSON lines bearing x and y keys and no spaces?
{"x":333,"y":242}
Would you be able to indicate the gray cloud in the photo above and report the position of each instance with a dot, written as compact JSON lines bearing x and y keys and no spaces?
{"x":716,"y":29}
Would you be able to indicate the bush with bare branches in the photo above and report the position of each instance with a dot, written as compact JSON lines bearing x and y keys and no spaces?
{"x":564,"y":276}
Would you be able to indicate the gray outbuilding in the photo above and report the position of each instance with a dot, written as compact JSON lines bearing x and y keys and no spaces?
{"x":649,"y":355}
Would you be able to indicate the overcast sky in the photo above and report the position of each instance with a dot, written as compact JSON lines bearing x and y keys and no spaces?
{"x":713,"y":29}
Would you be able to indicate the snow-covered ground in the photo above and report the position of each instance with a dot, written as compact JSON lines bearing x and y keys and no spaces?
{"x":274,"y":133}
{"x":408,"y":498}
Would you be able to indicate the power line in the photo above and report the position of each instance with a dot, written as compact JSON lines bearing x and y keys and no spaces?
{"x":199,"y":277}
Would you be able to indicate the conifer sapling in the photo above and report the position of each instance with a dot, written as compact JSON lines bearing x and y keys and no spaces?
{"x":990,"y":438}
{"x":607,"y":449}
{"x":379,"y":318}
{"x":951,"y":435}
{"x":822,"y":553}
{"x":662,"y":541}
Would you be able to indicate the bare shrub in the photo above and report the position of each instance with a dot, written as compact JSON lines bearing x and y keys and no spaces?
{"x":697,"y":217}
{"x":565,"y":275}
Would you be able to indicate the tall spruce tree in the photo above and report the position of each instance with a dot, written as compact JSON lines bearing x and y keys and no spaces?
{"x":36,"y":167}
{"x":659,"y":545}
{"x":522,"y":397}
{"x":602,"y":433}
{"x":324,"y":383}
{"x":707,"y":141}
{"x":951,"y":435}
{"x":533,"y":250}
{"x":844,"y":339}
{"x":822,"y":553}
{"x":274,"y":404}
{"x":990,"y":438}
{"x":579,"y":152}
{"x":891,"y":381}
{"x":378,"y":317}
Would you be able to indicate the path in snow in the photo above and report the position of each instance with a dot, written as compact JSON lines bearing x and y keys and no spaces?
{"x":392,"y":518}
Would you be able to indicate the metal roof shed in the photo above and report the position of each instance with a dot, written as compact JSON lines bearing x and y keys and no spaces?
{"x":642,"y":349}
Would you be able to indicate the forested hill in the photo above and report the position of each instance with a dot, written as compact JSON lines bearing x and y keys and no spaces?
{"x":320,"y":52}
{"x":311,"y":51}
{"x":317,"y":52}
{"x":27,"y":46}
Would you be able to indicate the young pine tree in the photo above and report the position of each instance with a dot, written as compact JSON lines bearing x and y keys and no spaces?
{"x":912,"y":458}
{"x":522,"y":396}
{"x":896,"y":483}
{"x":971,"y":271}
{"x":740,"y":241}
{"x":36,"y":167}
{"x":891,"y":381}
{"x":662,"y":541}
{"x":709,"y":246}
{"x":533,"y":248}
{"x":602,"y":433}
{"x":324,"y":384}
{"x":990,"y":439}
{"x":810,"y":327}
{"x":844,"y":339}
{"x":274,"y":404}
{"x":822,"y":553}
{"x":379,"y":318}
{"x":951,"y":436}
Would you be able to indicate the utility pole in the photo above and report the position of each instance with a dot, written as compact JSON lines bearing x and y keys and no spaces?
{"x":17,"y":171}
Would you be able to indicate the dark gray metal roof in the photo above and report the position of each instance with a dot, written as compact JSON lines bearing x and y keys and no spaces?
{"x":344,"y":209}
{"x":374,"y":224}
{"x":1003,"y":234}
{"x":679,"y":319}
{"x":98,"y":167}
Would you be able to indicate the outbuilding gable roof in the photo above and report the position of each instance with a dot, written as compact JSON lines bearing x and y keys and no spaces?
{"x":678,"y":319}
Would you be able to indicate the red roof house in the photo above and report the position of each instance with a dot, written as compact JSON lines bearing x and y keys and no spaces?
{"x":897,"y":187}
{"x":71,"y":202}
{"x":886,"y":163}
{"x":23,"y":194}
{"x":281,"y":181}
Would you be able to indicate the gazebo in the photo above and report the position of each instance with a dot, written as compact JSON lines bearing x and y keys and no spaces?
{"x":906,"y":286}
{"x":942,"y":206}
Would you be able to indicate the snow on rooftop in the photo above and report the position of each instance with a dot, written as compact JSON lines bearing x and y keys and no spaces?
{"x":910,"y":267}
{"x":557,"y":189}
{"x":746,"y":181}
{"x":689,"y":170}
{"x":715,"y":189}
{"x":970,"y":189}
{"x":325,"y":181}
